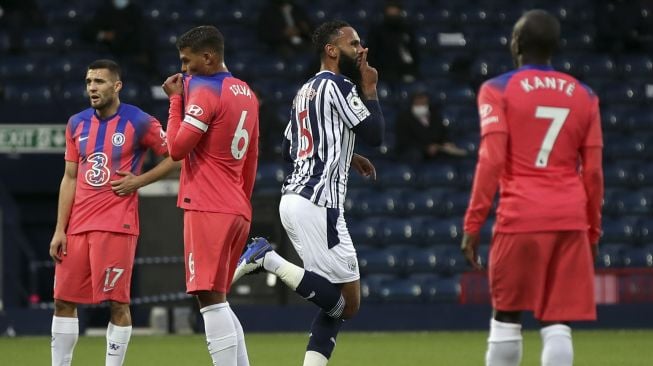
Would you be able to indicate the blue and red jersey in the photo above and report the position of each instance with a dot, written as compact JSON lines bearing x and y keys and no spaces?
{"x":548,"y":119}
{"x":101,"y":147}
{"x":214,"y":128}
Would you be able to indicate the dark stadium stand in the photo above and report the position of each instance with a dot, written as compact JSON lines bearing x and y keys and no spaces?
{"x":407,"y":223}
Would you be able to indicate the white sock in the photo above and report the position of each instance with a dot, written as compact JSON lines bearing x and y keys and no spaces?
{"x":220,"y":334}
{"x":557,"y":349}
{"x":287,"y":272}
{"x":312,"y":358}
{"x":65,"y":332}
{"x":504,"y":344}
{"x":241,"y":354}
{"x":117,"y":342}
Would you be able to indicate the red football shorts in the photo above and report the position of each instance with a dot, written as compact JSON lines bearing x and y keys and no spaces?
{"x":549,"y":273}
{"x":213,"y":242}
{"x":98,"y":267}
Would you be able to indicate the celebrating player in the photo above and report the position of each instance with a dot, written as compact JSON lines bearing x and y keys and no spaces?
{"x":541,"y":143}
{"x":218,"y":141}
{"x":326,"y":115}
{"x":94,"y":242}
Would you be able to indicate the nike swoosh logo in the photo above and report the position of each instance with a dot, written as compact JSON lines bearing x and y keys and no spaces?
{"x":107,"y":289}
{"x":83,"y":138}
{"x":191,"y":278}
{"x":310,"y":296}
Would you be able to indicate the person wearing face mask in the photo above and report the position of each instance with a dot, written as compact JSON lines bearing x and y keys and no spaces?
{"x":420,"y":132}
{"x":119,"y":26}
{"x":393,"y":46}
{"x":285,"y":27}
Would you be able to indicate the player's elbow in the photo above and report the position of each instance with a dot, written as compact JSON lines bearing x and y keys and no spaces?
{"x":176,"y":155}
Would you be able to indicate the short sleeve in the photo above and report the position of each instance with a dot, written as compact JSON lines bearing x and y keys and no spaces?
{"x":72,"y":152}
{"x":491,"y":110}
{"x":155,"y":137}
{"x":594,"y":135}
{"x":349,"y":105}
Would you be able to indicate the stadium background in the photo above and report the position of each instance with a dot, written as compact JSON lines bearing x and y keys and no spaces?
{"x":406,"y":225}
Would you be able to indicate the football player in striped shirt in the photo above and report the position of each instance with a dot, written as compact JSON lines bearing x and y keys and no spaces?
{"x":326,"y":117}
{"x":94,"y":242}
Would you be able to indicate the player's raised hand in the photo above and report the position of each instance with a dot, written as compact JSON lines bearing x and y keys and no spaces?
{"x":469,"y":248}
{"x":369,"y":75}
{"x":173,"y":85}
{"x":128,"y":184}
{"x":58,"y":246}
{"x":363,"y":166}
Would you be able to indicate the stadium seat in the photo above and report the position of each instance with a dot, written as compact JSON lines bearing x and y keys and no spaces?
{"x":425,"y":260}
{"x":441,"y":290}
{"x":617,"y":174}
{"x":426,"y":202}
{"x":438,"y":231}
{"x":400,"y":290}
{"x":28,"y":94}
{"x":387,"y":260}
{"x":615,"y":119}
{"x":638,"y":257}
{"x":491,"y":64}
{"x":430,"y":175}
{"x":610,"y":256}
{"x":619,"y":93}
{"x":371,"y":285}
{"x":396,"y":176}
{"x":642,"y":175}
{"x":397,"y":230}
{"x":621,"y":230}
{"x":633,"y":66}
{"x":597,"y":65}
{"x":367,"y":231}
{"x":454,"y":204}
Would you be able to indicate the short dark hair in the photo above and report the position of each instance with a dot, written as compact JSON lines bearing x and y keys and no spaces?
{"x":325,"y":33}
{"x":540,"y":34}
{"x":110,"y":65}
{"x":204,"y":37}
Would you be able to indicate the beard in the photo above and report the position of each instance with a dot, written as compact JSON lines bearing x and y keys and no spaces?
{"x":347,"y":66}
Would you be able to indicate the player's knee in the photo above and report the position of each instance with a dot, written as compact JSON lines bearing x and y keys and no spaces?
{"x":351,"y":308}
{"x":64,"y":308}
{"x":508,"y":316}
{"x":120,"y":314}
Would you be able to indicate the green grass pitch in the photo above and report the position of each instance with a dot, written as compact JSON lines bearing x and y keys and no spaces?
{"x":596,"y":348}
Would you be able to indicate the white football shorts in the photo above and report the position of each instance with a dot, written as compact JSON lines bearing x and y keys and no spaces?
{"x":320,"y":237}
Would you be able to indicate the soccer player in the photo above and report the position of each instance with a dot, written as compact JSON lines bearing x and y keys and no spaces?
{"x":213,"y":127}
{"x":94,"y":242}
{"x":541,"y":144}
{"x":327,"y":114}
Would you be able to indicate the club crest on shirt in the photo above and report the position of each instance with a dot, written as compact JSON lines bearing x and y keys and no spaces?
{"x":194,"y":110}
{"x":484,"y":110}
{"x":118,"y":139}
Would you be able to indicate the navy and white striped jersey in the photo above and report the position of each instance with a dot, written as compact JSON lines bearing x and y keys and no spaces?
{"x":323,"y":114}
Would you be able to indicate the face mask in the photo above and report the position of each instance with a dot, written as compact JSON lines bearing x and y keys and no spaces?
{"x":420,"y":111}
{"x":120,"y":4}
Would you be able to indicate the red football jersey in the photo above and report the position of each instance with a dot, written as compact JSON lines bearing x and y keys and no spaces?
{"x":218,"y":173}
{"x":549,"y":117}
{"x":100,"y":148}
